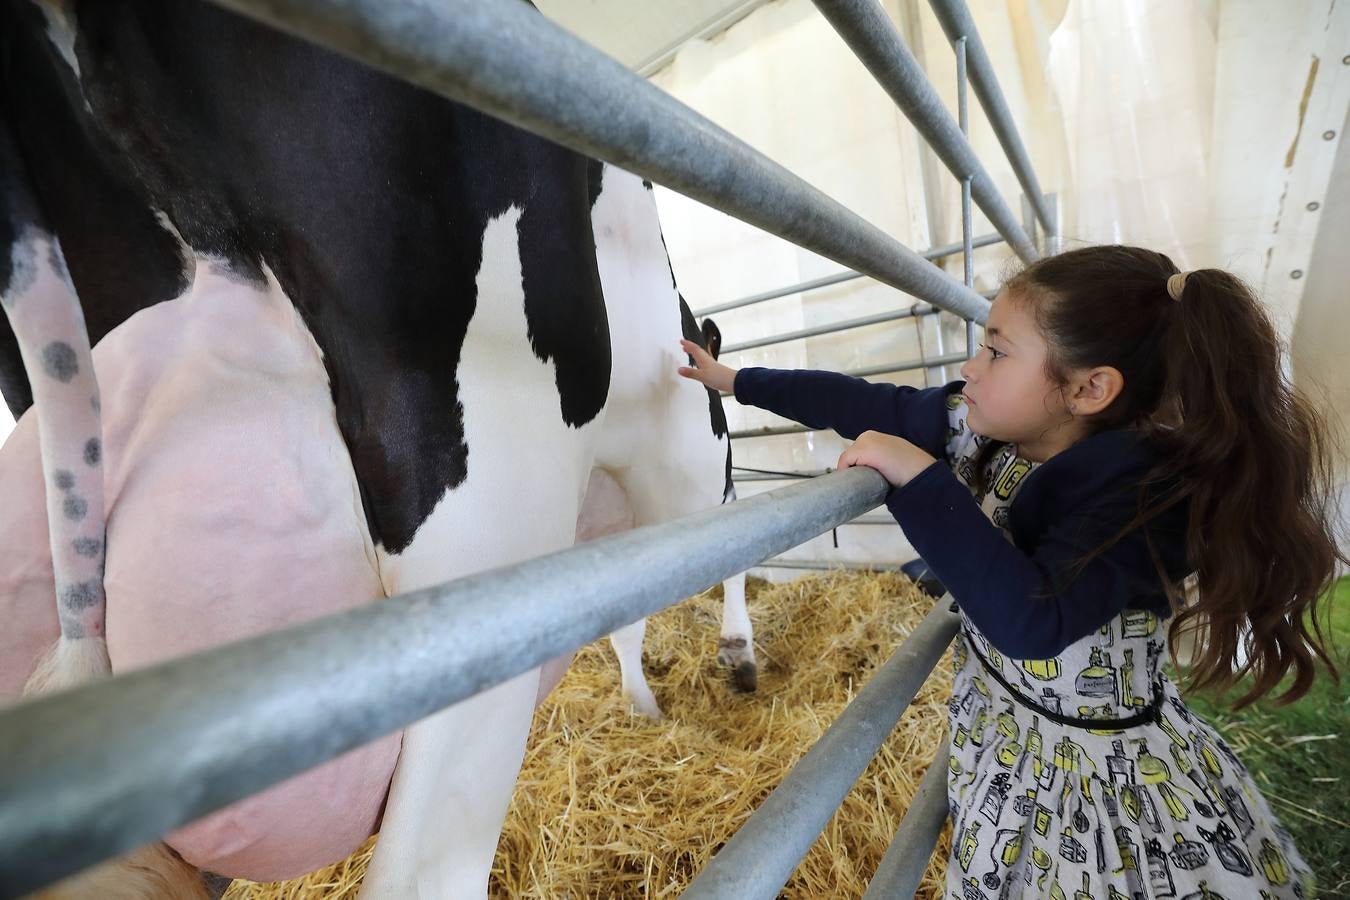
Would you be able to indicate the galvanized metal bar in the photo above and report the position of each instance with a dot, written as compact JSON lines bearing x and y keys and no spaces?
{"x":1029,"y":219}
{"x":820,"y":565}
{"x":963,"y":105}
{"x":918,"y":309}
{"x":96,"y":771}
{"x":775,"y":293}
{"x":957,"y":23}
{"x":767,"y":476}
{"x":866,"y":28}
{"x":886,"y":368}
{"x":984,"y":240}
{"x":872,"y":520}
{"x":907,"y":857}
{"x":1052,"y":234}
{"x":504,"y":58}
{"x":760,"y":857}
{"x":771,"y":431}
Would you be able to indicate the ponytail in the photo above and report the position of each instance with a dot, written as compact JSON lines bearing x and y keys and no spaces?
{"x":1254,"y":458}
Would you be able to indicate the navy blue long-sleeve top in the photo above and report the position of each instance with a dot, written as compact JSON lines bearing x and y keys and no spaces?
{"x":1020,"y":594}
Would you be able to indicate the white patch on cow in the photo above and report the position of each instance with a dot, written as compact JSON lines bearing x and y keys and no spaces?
{"x":527,"y":470}
{"x":185,"y":254}
{"x":658,"y":440}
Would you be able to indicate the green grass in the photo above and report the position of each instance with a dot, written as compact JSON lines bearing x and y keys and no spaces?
{"x":1300,"y":757}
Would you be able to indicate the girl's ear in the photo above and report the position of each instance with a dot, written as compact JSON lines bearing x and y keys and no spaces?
{"x":1095,"y":390}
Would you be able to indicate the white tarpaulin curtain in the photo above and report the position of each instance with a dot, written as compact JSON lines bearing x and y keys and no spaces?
{"x":1163,"y":123}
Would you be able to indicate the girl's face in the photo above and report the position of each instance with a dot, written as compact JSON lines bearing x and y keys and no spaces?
{"x":1009,"y":395}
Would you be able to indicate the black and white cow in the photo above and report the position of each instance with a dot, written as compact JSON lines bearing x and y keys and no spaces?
{"x":351,"y":340}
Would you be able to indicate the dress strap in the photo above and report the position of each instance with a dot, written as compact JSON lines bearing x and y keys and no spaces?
{"x":1149,"y":714}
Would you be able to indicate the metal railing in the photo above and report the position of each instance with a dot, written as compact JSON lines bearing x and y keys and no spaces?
{"x":104,"y":768}
{"x":96,"y":771}
{"x":760,"y":857}
{"x":935,"y":253}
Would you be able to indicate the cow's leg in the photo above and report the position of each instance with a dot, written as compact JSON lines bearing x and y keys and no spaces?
{"x":606,"y":511}
{"x":449,"y":797}
{"x":627,"y":643}
{"x":525,"y":479}
{"x":736,"y":647}
{"x":665,"y":437}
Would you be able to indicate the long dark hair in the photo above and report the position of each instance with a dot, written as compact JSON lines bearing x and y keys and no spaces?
{"x":1204,"y":380}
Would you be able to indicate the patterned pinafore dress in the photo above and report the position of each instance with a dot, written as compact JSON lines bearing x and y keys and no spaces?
{"x":1150,"y":804}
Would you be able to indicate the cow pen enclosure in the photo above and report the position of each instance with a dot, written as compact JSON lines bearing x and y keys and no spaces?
{"x":88,"y":774}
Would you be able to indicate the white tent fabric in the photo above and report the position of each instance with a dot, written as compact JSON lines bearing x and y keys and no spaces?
{"x":1195,"y":128}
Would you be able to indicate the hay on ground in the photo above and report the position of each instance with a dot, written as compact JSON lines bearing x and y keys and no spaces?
{"x":611,"y":805}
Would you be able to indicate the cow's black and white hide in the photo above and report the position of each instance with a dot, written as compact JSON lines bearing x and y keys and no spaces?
{"x":351,"y":340}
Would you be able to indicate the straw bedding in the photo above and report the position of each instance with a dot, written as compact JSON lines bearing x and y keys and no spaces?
{"x":611,"y":805}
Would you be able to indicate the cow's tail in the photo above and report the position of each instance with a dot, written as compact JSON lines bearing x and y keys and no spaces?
{"x":48,"y":323}
{"x":40,"y":301}
{"x":39,"y":298}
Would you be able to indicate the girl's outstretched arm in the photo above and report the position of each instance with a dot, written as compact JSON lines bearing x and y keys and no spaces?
{"x":847,"y":405}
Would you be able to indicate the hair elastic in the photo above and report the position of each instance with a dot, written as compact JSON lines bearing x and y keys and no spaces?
{"x":1176,"y":284}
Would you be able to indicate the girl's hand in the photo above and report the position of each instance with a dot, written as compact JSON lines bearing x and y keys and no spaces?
{"x":707,"y":370}
{"x":898,"y":460}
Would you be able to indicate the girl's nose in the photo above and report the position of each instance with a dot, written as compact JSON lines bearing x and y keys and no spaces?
{"x":967,"y":368}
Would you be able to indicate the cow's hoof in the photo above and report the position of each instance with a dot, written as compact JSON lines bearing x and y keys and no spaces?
{"x":644,"y":704}
{"x":746,"y":676}
{"x":737,"y":654}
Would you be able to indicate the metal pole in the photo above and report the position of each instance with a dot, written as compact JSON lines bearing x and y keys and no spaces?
{"x":771,"y":431}
{"x":957,"y":23}
{"x":93,"y":772}
{"x":917,"y":310}
{"x":865,"y":27}
{"x":760,"y":857}
{"x":963,"y":109}
{"x":837,"y":278}
{"x":504,"y":58}
{"x":902,"y":867}
{"x":828,"y":565}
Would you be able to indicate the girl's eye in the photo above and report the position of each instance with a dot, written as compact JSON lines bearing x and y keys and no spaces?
{"x":996,"y":354}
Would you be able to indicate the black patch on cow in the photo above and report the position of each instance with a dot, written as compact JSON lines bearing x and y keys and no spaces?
{"x":81,"y":595}
{"x":595,"y":179}
{"x":93,"y":451}
{"x":689,"y":327}
{"x":365,"y":196}
{"x":59,"y":361}
{"x":716,"y":413}
{"x":564,"y":303}
{"x":74,"y":507}
{"x":89,"y":547}
{"x":712,"y":338}
{"x":120,"y":258}
{"x":64,"y":479}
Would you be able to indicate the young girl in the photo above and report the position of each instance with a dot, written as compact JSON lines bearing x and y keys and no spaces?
{"x":1124,"y":426}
